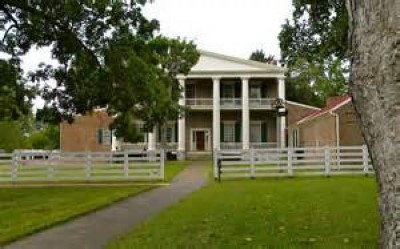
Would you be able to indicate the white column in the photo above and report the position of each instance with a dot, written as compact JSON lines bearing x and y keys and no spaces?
{"x":182,"y":122}
{"x":216,"y":114}
{"x":245,"y":114}
{"x":282,"y":119}
{"x":152,"y":139}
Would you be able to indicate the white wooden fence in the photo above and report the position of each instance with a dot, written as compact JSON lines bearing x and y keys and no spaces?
{"x":288,"y":162}
{"x":82,"y":166}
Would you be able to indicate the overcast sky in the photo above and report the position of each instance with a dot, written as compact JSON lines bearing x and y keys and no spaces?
{"x":231,"y":27}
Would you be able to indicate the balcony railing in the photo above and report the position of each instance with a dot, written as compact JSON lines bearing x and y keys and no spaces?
{"x":231,"y":103}
{"x":231,"y":146}
{"x":262,"y":103}
{"x":259,"y":145}
{"x":200,"y":103}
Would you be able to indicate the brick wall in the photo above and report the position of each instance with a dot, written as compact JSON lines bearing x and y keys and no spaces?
{"x":81,"y":135}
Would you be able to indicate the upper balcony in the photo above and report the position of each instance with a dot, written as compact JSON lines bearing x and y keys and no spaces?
{"x":262,"y":94}
{"x":231,"y":103}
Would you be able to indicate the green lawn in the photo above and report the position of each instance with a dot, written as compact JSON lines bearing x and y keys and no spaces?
{"x":26,"y":210}
{"x":338,"y":212}
{"x":173,"y":168}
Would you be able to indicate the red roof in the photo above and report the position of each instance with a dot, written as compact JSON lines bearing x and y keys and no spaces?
{"x":333,"y":103}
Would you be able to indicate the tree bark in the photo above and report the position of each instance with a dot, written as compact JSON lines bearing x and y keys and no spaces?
{"x":375,"y":86}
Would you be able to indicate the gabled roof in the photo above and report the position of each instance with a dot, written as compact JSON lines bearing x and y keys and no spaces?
{"x":211,"y":62}
{"x":333,"y":105}
{"x":302,"y":105}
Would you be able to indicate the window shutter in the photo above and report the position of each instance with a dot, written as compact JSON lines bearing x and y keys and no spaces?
{"x":221,"y":89}
{"x":159,"y":134}
{"x":238,"y":89}
{"x":263,"y":132}
{"x":99,"y":136}
{"x":238,"y":132}
{"x":222,"y":132}
{"x":263,"y":90}
{"x":176,"y":131}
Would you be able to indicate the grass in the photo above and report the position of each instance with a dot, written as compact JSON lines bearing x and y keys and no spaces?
{"x":339,"y":212}
{"x":27,"y":210}
{"x":173,"y":168}
{"x":24,"y":211}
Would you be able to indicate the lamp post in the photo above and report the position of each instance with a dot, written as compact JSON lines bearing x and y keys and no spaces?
{"x":281,"y":112}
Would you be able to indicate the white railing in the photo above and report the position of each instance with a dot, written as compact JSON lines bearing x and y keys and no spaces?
{"x":169,"y":146}
{"x":200,"y":103}
{"x":81,"y":166}
{"x":261,"y":145}
{"x":231,"y":103}
{"x":288,"y":162}
{"x":262,"y":103}
{"x":231,"y":146}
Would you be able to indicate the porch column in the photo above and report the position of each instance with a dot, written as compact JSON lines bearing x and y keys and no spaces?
{"x":152,"y":140}
{"x":182,"y":124}
{"x":282,"y":119}
{"x":245,"y":115}
{"x":216,"y":114}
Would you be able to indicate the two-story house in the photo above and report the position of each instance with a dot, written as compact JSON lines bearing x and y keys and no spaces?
{"x":231,"y":103}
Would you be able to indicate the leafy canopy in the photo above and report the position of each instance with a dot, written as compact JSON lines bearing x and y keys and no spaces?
{"x":110,"y":56}
{"x":314,"y":48}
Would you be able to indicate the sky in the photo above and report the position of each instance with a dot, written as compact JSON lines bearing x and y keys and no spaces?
{"x":230,"y":27}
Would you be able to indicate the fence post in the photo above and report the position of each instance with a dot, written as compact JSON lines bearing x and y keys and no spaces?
{"x":126,"y":164}
{"x":290,"y":161}
{"x":327,"y":161}
{"x":50,"y":169}
{"x":365,"y":159}
{"x":14,"y":169}
{"x":162,"y":164}
{"x":252,"y":167}
{"x":88,"y":165}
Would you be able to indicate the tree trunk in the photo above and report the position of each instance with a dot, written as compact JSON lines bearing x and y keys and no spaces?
{"x":375,"y":86}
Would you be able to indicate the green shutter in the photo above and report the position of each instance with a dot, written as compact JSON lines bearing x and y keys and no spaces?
{"x":222,"y":132}
{"x":238,"y":89}
{"x":238,"y":132}
{"x":159,"y":134}
{"x":176,"y":131}
{"x":263,"y":90}
{"x":100,"y":136}
{"x":221,"y":89}
{"x":264,"y":132}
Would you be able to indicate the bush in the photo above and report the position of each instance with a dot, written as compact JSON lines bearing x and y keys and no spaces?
{"x":11,"y":136}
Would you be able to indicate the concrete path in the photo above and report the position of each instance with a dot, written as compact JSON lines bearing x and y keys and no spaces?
{"x":95,"y":230}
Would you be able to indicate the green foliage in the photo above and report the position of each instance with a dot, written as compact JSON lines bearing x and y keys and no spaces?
{"x":15,"y":97}
{"x":259,"y":55}
{"x":314,"y":48}
{"x":110,"y":56}
{"x":11,"y":136}
{"x":46,"y":139}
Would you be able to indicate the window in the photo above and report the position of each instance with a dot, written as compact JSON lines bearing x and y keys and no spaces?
{"x":141,"y":132}
{"x":228,"y":91}
{"x":229,"y":132}
{"x":255,"y":92}
{"x":104,"y":136}
{"x":170,"y":134}
{"x":255,"y":132}
{"x":190,"y":91}
{"x":295,"y":138}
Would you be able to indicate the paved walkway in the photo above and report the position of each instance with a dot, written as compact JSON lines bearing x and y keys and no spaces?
{"x":97,"y":229}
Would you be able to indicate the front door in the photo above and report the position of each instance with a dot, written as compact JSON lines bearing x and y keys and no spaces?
{"x":200,"y":140}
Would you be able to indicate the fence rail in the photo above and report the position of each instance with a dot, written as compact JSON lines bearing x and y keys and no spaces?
{"x":81,"y":166}
{"x":288,"y":162}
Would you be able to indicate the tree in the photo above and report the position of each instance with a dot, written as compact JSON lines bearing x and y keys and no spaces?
{"x":15,"y":96}
{"x":314,"y":46}
{"x":375,"y":86}
{"x":259,"y":55}
{"x":110,"y":56}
